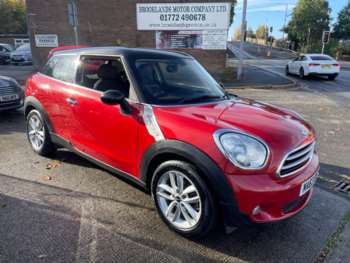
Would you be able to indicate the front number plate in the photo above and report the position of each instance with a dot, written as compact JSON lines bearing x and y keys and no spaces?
{"x":307,"y":185}
{"x":8,"y":98}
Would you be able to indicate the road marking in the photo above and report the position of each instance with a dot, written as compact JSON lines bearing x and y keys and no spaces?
{"x":87,"y":243}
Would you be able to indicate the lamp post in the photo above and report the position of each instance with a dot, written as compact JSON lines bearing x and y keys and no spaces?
{"x":241,"y":47}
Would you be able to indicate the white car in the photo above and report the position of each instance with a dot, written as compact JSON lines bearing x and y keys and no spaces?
{"x":314,"y":64}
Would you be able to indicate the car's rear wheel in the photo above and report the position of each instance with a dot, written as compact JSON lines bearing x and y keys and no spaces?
{"x":301,"y":73}
{"x":183,"y":199}
{"x":38,"y":135}
{"x":332,"y":77}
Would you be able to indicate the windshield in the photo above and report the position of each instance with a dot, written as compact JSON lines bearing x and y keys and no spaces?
{"x":24,"y":47}
{"x":318,"y":58}
{"x":176,"y":81}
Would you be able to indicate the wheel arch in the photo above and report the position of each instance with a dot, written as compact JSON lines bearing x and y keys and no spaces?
{"x":211,"y":173}
{"x":32,"y":103}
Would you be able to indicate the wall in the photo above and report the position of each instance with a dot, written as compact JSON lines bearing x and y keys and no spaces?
{"x":102,"y":23}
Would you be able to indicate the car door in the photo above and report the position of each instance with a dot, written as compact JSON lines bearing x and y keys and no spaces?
{"x":294,"y":65}
{"x":101,"y":131}
{"x":60,"y":72}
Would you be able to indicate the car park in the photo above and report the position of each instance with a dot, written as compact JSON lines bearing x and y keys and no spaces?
{"x":11,"y":94}
{"x":160,"y":120}
{"x":22,"y":55}
{"x":5,"y":53}
{"x":314,"y":65}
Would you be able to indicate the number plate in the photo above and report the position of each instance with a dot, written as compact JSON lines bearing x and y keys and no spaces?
{"x":307,"y":185}
{"x":326,"y":66}
{"x":8,"y":98}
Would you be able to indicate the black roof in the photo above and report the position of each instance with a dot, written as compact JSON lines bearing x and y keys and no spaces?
{"x":127,"y":52}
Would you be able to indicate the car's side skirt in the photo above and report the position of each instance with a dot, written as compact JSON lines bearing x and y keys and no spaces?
{"x":56,"y":139}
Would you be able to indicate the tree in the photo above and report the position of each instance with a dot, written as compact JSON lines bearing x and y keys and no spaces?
{"x":250,"y":33}
{"x":13,"y":17}
{"x":342,"y":26}
{"x":310,"y":18}
{"x":232,"y":11}
{"x":261,"y":32}
{"x":237,"y":34}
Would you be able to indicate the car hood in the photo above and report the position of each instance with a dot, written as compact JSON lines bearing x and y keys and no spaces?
{"x":277,"y":127}
{"x":20,"y":53}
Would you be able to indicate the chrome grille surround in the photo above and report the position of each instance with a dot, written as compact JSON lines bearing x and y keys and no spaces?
{"x":296,"y":160}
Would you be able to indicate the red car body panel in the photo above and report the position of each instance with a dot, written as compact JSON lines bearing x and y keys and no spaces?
{"x":120,"y":141}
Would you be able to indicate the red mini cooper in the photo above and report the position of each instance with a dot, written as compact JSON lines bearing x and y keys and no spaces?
{"x":159,"y":119}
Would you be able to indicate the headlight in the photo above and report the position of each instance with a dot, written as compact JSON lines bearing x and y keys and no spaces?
{"x":244,"y":151}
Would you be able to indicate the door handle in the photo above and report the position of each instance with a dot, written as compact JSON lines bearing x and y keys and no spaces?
{"x":72,"y":101}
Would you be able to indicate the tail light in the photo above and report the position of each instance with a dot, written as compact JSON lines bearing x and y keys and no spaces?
{"x":336,"y":65}
{"x":313,"y":65}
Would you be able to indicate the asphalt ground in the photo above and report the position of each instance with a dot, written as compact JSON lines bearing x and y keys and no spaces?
{"x":67,"y":210}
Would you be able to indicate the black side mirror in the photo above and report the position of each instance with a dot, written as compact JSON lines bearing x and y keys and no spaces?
{"x":115,"y":97}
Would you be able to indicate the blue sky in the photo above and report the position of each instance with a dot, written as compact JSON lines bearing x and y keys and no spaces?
{"x":272,"y":12}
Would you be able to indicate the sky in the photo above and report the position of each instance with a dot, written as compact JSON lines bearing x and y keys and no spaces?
{"x":272,"y":13}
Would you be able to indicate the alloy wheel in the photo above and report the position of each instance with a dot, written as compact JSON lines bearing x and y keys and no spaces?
{"x":36,"y":132}
{"x":179,"y":200}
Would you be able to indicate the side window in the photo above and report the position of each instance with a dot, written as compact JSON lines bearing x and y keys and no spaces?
{"x":48,"y":68}
{"x":65,"y":69}
{"x":102,"y":74}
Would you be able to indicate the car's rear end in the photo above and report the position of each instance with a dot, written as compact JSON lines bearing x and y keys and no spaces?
{"x":323,"y":65}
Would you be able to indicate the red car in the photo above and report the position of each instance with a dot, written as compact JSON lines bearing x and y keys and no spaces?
{"x":62,"y":48}
{"x":159,"y":119}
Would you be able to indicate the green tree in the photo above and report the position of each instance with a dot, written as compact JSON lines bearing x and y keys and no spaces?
{"x":342,"y":26}
{"x":232,"y":12}
{"x":310,"y":18}
{"x":261,"y":32}
{"x":13,"y":17}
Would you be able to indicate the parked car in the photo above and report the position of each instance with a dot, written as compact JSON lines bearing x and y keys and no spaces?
{"x":22,"y":55}
{"x":159,"y":119}
{"x":5,"y":52}
{"x":62,"y":48}
{"x":11,"y":94}
{"x":314,"y":64}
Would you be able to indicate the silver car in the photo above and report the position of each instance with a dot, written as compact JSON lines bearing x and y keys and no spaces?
{"x":11,"y":94}
{"x":22,"y":54}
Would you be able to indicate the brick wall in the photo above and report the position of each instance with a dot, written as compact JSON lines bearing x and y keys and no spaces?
{"x":102,"y":23}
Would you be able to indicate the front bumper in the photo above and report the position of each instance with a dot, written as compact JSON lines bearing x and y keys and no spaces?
{"x":11,"y":105}
{"x":262,"y":199}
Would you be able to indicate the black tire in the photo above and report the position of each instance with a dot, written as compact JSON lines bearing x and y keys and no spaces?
{"x":332,"y":77}
{"x":301,"y":73}
{"x":47,"y":148}
{"x":287,"y":71}
{"x":208,"y":215}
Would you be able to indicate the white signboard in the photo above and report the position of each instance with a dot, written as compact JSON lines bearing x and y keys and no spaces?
{"x":183,"y":39}
{"x":215,"y":39}
{"x":47,"y":40}
{"x":183,"y":16}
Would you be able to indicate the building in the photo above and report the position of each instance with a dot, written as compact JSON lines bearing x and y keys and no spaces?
{"x":14,"y":40}
{"x":123,"y":22}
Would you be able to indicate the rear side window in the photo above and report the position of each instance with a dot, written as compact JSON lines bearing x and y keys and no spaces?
{"x":62,"y":67}
{"x":320,"y":58}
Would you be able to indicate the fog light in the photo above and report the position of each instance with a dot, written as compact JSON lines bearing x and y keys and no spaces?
{"x":256,"y":210}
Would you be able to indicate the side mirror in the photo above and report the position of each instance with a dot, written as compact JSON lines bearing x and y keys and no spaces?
{"x":112,"y":97}
{"x":115,"y":97}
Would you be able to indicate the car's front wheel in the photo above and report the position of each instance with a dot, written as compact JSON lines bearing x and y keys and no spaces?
{"x":183,"y":199}
{"x":38,"y":135}
{"x":301,"y":73}
{"x":287,"y":70}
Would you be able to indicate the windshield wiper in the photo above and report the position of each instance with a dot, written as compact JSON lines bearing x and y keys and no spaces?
{"x":201,"y":98}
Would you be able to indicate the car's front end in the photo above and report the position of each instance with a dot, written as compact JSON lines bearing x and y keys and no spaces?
{"x":21,"y":57}
{"x":267,"y":154}
{"x":11,"y":94}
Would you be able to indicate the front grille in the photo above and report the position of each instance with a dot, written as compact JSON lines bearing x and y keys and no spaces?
{"x":296,"y":160}
{"x":9,"y":90}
